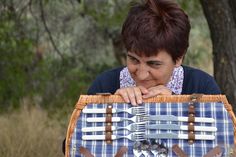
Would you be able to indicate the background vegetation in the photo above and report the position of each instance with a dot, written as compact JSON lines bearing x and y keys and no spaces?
{"x":50,"y":51}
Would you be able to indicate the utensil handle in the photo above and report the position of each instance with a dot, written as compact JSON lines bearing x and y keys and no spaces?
{"x":95,"y":129}
{"x":103,"y":119}
{"x":97,"y":110}
{"x":96,"y":137}
{"x":200,"y":128}
{"x":197,"y":119}
{"x":197,"y":137}
{"x":204,"y":120}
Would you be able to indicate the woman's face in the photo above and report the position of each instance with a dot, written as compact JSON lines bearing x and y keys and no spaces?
{"x":151,"y":71}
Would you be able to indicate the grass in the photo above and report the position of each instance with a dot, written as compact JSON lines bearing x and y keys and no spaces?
{"x":29,"y":132}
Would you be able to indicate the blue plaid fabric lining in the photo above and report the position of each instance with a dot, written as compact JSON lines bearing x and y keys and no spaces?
{"x":224,"y":134}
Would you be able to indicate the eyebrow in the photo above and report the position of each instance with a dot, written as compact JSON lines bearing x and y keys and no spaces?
{"x":153,"y":61}
{"x":129,"y":55}
{"x":148,"y":62}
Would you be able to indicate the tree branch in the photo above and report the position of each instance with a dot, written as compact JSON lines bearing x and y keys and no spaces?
{"x":47,"y":30}
{"x":22,"y":10}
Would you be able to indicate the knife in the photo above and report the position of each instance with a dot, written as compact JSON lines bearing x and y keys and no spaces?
{"x":135,"y":136}
{"x":154,"y":127}
{"x":178,"y":136}
{"x":177,"y":118}
{"x":180,"y":127}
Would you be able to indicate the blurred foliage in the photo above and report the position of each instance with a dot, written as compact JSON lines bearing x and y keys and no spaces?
{"x":16,"y":58}
{"x":50,"y":51}
{"x":199,"y":53}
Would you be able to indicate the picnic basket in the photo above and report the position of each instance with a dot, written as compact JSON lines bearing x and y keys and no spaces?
{"x":215,"y":106}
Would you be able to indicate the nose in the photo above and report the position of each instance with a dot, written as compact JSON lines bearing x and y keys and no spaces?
{"x":142,"y":72}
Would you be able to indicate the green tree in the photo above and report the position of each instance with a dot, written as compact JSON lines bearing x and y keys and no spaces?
{"x":16,"y":58}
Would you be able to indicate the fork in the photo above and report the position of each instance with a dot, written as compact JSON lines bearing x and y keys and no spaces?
{"x":131,"y":127}
{"x":133,"y":110}
{"x":135,"y":136}
{"x":134,"y":119}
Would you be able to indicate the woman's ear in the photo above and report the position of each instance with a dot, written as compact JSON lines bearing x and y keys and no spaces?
{"x":178,"y":62}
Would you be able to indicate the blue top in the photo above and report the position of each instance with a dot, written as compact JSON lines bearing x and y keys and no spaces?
{"x":195,"y":81}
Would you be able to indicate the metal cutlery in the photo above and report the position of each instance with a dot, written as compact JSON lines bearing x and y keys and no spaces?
{"x":178,"y":136}
{"x":139,"y":136}
{"x":158,"y":150}
{"x":137,"y":149}
{"x":134,"y":119}
{"x":131,"y":127}
{"x":146,"y":148}
{"x":141,"y":126}
{"x":143,"y":118}
{"x":176,"y":118}
{"x":162,"y":151}
{"x":133,"y":110}
{"x":135,"y":136}
{"x":155,"y":147}
{"x":180,"y":127}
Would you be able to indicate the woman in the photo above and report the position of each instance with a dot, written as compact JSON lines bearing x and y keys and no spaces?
{"x":156,"y":36}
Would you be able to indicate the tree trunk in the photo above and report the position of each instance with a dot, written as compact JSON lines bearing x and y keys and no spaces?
{"x":221,"y":18}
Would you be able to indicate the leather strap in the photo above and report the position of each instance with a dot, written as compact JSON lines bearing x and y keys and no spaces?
{"x":108,"y":118}
{"x":85,"y":152}
{"x":214,"y":152}
{"x":178,"y":151}
{"x":108,"y":121}
{"x":191,"y":109}
{"x":191,"y":135}
{"x":195,"y":97}
{"x":191,"y":118}
{"x":121,"y":151}
{"x":109,"y":109}
{"x":108,"y":136}
{"x":108,"y":127}
{"x":190,"y":127}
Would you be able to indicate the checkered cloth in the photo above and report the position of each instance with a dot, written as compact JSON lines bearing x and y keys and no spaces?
{"x":224,"y":134}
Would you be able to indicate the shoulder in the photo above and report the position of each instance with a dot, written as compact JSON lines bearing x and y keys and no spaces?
{"x":193,"y":73}
{"x":110,"y":73}
{"x":106,"y":82}
{"x":198,"y":81}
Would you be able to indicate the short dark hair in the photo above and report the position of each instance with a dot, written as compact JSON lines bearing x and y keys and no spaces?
{"x":156,"y":25}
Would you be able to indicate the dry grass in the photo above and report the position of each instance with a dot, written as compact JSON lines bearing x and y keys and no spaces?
{"x":29,"y":132}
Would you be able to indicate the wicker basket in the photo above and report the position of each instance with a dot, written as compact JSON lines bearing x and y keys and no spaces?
{"x":88,"y":99}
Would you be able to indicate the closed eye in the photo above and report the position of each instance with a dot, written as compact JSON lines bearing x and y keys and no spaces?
{"x":133,"y":59}
{"x":154,"y":64}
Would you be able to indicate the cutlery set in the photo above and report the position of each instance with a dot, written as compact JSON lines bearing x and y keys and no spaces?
{"x":141,"y":123}
{"x":147,"y":148}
